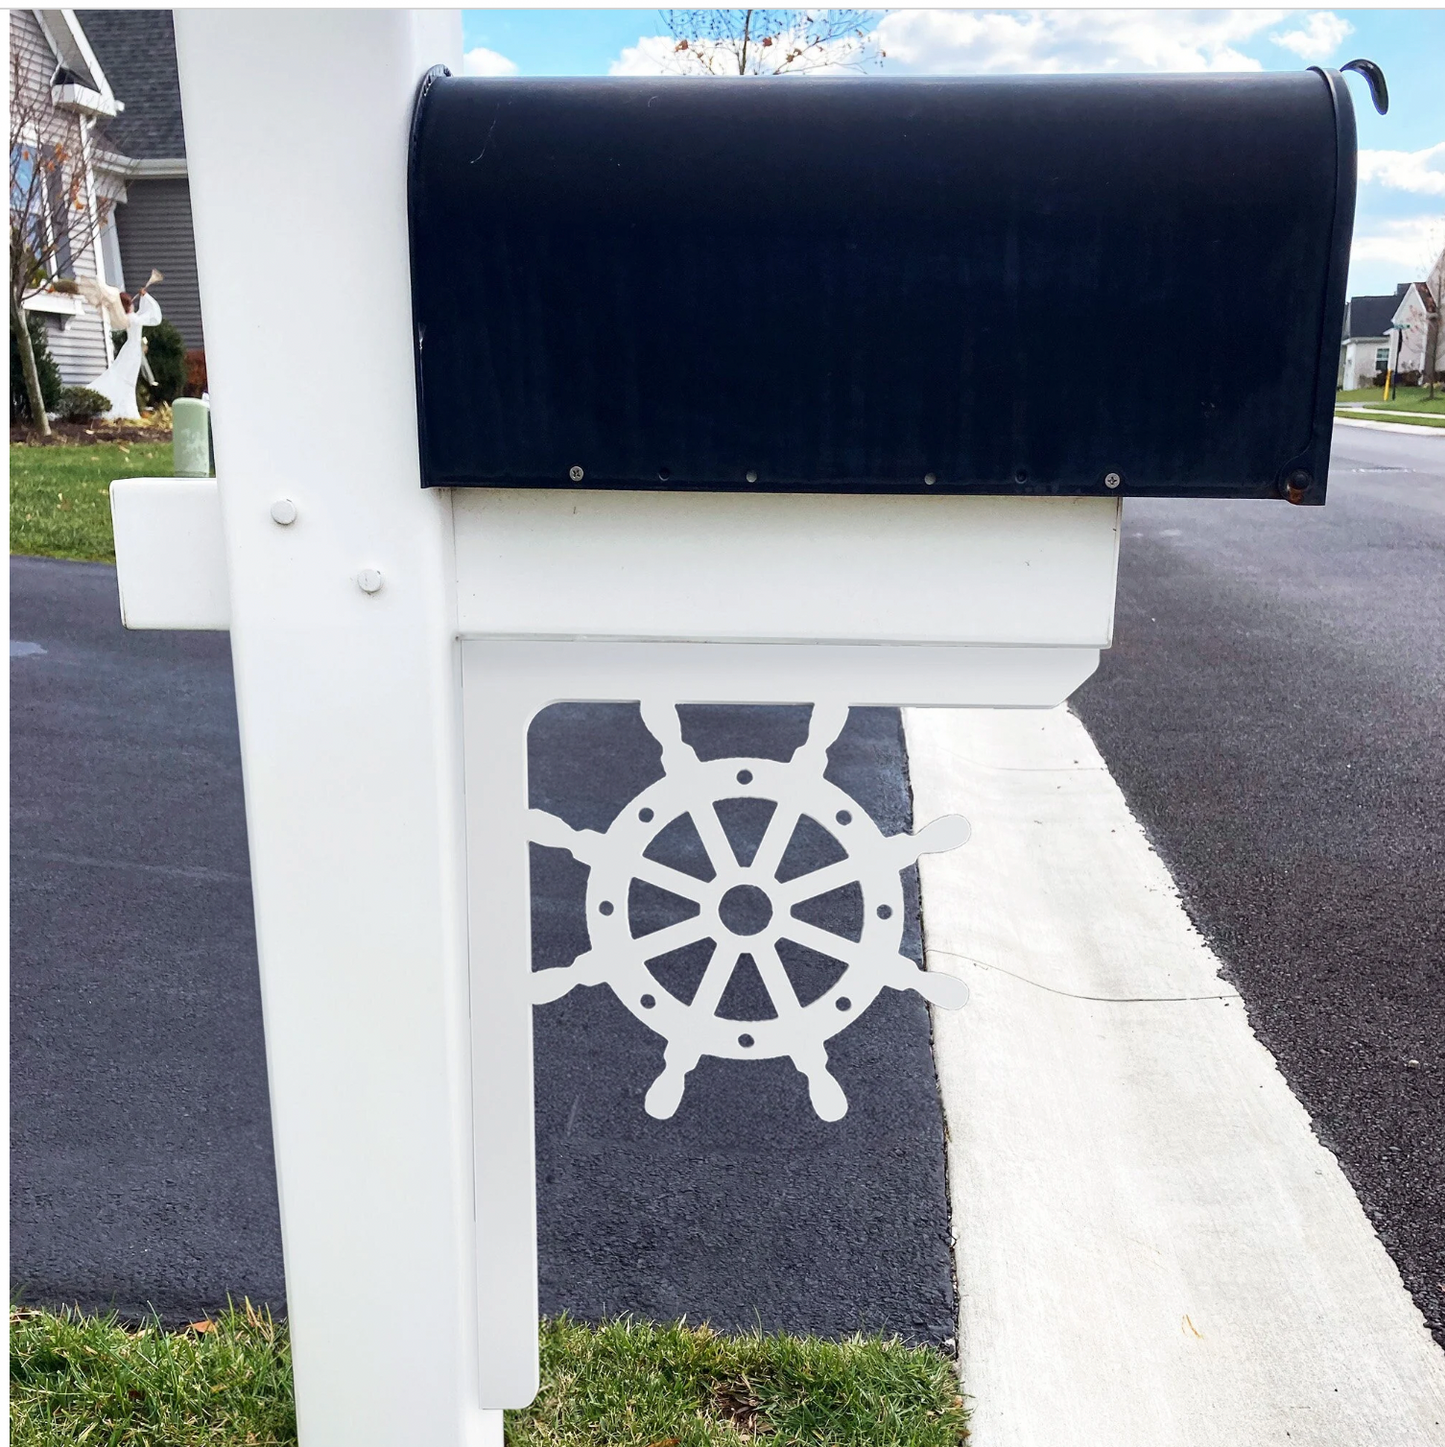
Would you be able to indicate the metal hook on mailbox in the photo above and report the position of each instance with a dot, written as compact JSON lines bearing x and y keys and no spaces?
{"x":1375,"y":79}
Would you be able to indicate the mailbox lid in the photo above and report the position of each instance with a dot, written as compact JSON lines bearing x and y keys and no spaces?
{"x":1009,"y":285}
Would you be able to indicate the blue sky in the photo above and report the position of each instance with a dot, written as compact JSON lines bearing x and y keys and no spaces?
{"x":1400,"y":222}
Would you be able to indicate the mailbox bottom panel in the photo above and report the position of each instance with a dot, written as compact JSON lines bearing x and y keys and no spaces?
{"x":740,"y":907}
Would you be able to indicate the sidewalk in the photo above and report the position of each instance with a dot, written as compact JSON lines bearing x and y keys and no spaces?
{"x":1153,"y":1248}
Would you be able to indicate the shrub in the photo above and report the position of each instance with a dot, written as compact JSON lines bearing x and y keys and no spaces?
{"x":50,"y":383}
{"x":166,"y":353}
{"x":196,"y":385}
{"x":81,"y":404}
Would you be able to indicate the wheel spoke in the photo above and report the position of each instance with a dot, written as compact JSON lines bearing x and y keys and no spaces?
{"x":714,"y":838}
{"x":822,"y":942}
{"x":674,"y":881}
{"x":827,"y":722}
{"x":820,"y":881}
{"x":664,"y":724}
{"x":672,"y":937}
{"x":774,"y":843}
{"x":583,"y":845}
{"x":715,"y":980}
{"x":775,"y":979}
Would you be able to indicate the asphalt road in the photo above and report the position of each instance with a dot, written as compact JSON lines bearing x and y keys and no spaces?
{"x":1274,"y":710}
{"x":142,"y":1171}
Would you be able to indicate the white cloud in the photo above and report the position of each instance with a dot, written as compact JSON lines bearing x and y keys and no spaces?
{"x":1055,"y":41}
{"x":481,"y":61}
{"x":659,"y":55}
{"x":944,"y":42}
{"x":1318,"y":36}
{"x":1420,"y":171}
{"x":652,"y":55}
{"x":1409,"y":243}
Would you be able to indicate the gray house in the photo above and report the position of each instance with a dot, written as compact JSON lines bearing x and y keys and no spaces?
{"x":1365,"y":347}
{"x":144,"y":148}
{"x":60,"y":97}
{"x":103,"y":84}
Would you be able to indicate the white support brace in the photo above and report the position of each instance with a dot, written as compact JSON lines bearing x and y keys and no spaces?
{"x":170,"y":553}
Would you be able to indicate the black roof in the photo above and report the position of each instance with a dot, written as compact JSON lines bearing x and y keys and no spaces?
{"x":137,"y":51}
{"x":1369,"y":316}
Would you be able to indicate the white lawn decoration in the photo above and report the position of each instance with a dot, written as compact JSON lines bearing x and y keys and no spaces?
{"x":118,"y":380}
{"x":745,"y":910}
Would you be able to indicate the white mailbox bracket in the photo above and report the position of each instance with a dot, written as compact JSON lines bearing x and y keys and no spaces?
{"x":505,"y":684}
{"x":666,"y":599}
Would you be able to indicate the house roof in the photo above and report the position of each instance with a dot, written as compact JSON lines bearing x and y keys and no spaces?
{"x":78,"y":81}
{"x":1370,"y":316}
{"x":137,"y":48}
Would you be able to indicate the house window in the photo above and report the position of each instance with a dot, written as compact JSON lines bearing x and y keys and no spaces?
{"x":24,"y":184}
{"x":59,"y":201}
{"x":1382,"y":359}
{"x":39,"y":194}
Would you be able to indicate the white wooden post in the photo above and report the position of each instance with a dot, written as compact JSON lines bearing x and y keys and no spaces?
{"x":296,"y":132}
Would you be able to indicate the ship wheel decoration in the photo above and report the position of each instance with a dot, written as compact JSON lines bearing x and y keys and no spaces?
{"x":745,"y":909}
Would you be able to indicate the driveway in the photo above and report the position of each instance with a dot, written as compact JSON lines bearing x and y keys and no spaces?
{"x":142,"y":1170}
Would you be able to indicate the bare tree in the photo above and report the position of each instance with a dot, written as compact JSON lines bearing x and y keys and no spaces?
{"x":771,"y":42}
{"x":1434,"y":322}
{"x":56,"y":211}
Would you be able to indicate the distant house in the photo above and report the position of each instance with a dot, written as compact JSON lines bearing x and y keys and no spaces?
{"x":105,"y":83}
{"x":1415,"y":329}
{"x":60,"y":92}
{"x":1366,"y":348}
{"x":144,"y":149}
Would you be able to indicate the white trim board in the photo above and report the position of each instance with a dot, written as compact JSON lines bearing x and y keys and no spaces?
{"x":756,"y":567}
{"x":1153,"y":1248}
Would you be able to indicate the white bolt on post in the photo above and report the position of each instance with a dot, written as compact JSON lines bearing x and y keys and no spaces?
{"x":296,"y":129}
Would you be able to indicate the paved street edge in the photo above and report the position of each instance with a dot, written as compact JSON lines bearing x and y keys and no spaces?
{"x":1152,"y":1245}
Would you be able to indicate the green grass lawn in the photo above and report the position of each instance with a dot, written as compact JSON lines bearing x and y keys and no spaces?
{"x":1412,"y":419}
{"x":1414,"y":400}
{"x":59,"y":495}
{"x":88,"y":1380}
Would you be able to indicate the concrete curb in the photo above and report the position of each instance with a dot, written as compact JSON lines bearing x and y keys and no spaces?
{"x":1414,"y":428}
{"x":1152,"y":1246}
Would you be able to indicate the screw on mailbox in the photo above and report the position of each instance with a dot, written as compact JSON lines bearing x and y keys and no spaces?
{"x":1112,"y":479}
{"x":369,"y":580}
{"x":575,"y":473}
{"x":283,"y":511}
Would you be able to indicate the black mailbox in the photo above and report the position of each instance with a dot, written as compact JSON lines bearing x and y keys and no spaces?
{"x":988,"y":285}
